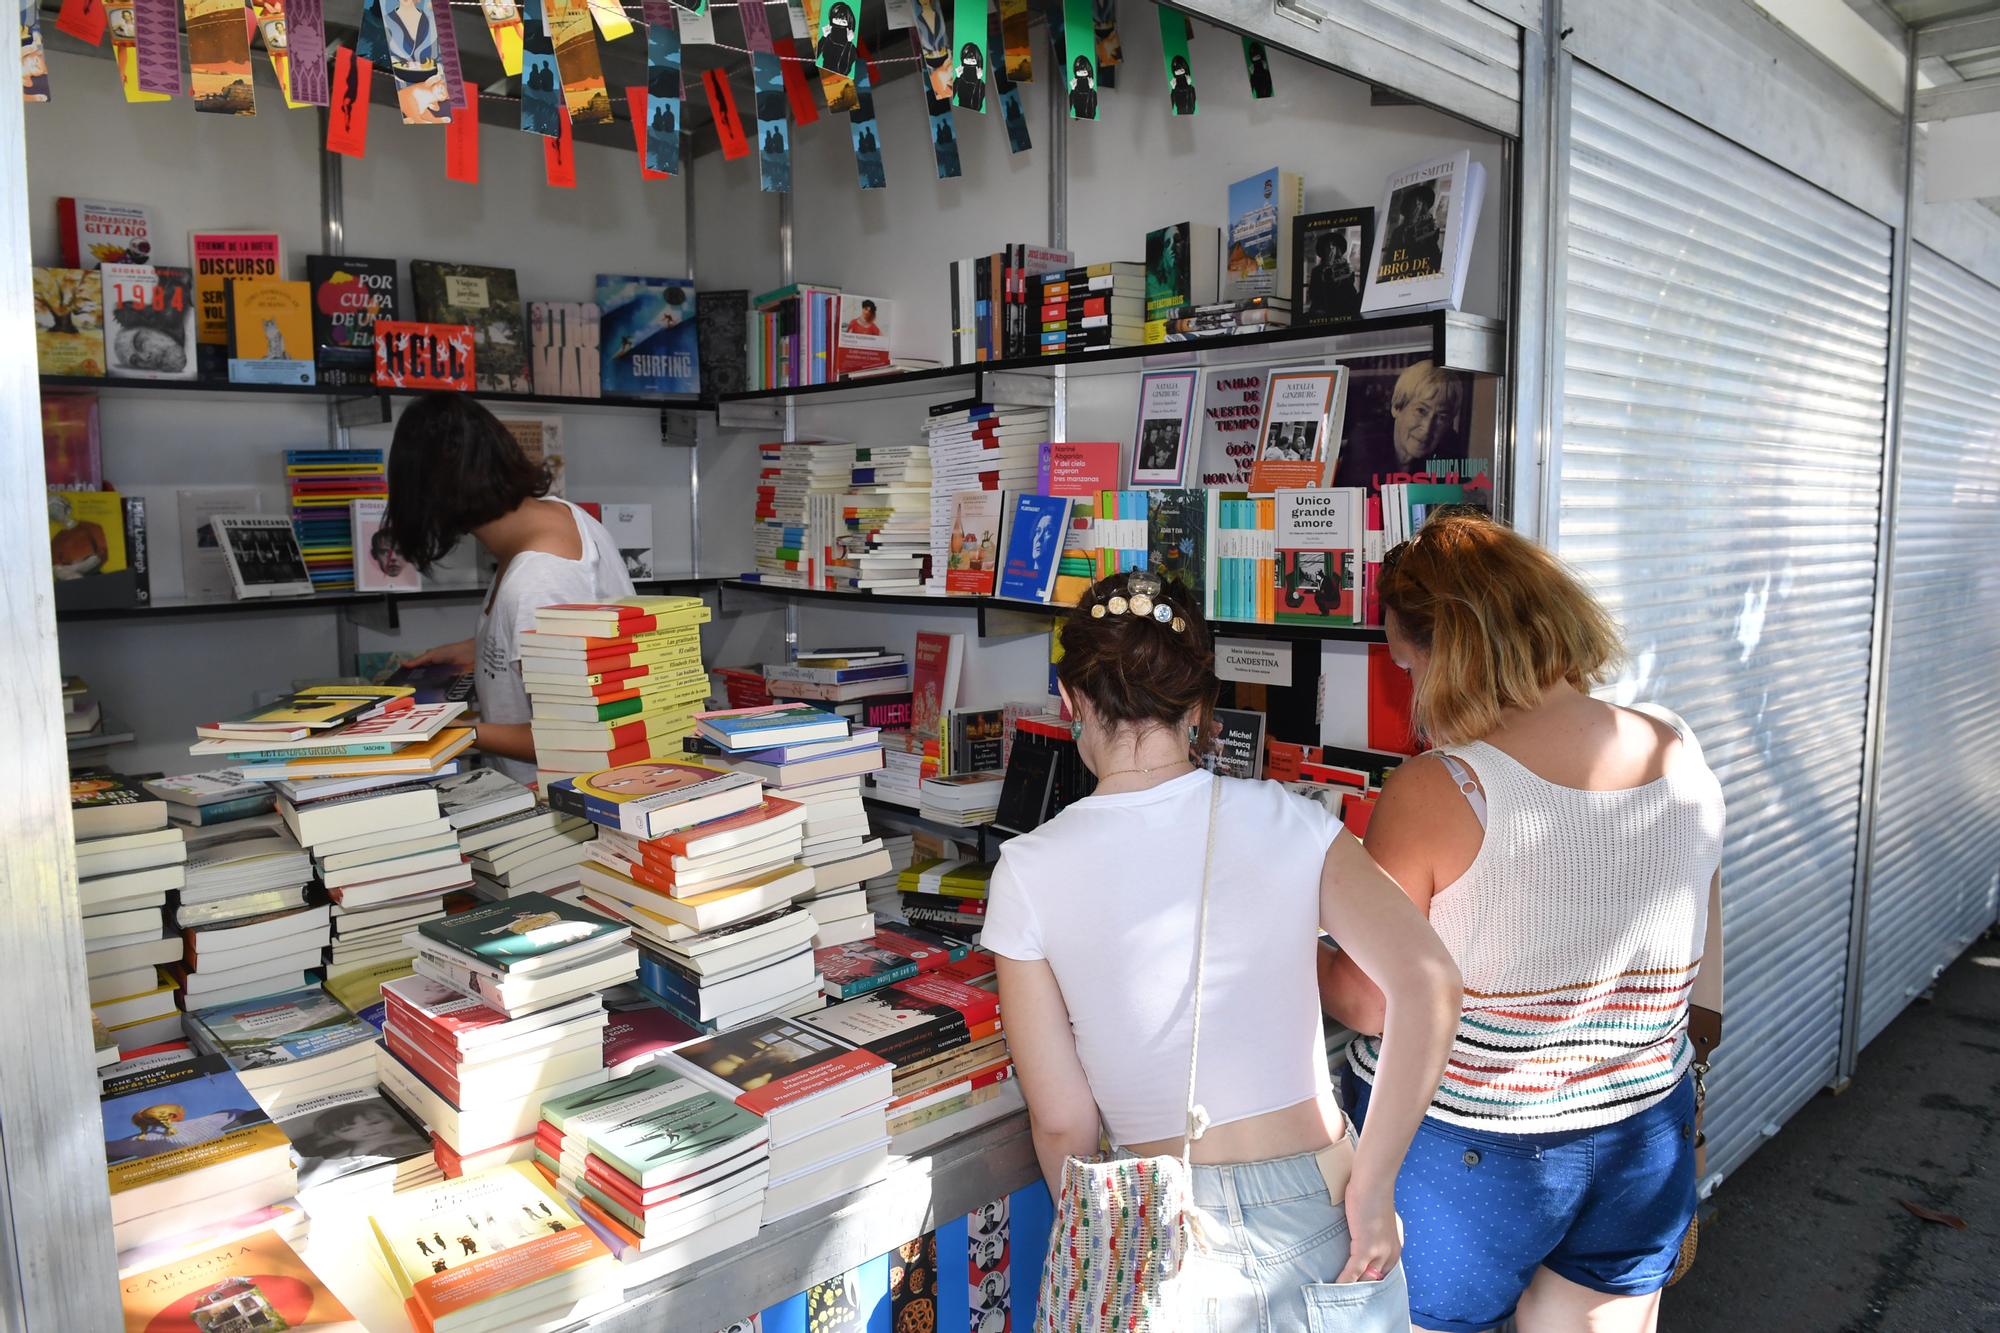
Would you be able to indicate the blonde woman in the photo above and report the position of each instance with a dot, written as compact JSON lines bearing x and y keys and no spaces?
{"x":1564,"y":850}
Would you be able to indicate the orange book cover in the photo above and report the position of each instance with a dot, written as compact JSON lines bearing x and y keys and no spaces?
{"x":258,"y":1282}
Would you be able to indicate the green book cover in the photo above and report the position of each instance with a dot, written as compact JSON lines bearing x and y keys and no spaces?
{"x":520,"y":930}
{"x":1176,"y":532}
{"x":603,"y":1099}
{"x":677,"y":1138}
{"x":488,"y":301}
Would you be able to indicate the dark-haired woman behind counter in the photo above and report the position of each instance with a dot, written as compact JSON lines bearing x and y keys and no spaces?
{"x":455,"y":471}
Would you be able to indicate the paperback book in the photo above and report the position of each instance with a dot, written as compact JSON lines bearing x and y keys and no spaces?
{"x":149,"y":322}
{"x":349,"y":294}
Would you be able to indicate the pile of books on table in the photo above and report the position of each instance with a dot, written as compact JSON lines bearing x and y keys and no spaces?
{"x":288,"y":1046}
{"x":612,"y":683}
{"x":900,"y":780}
{"x":354,"y":1149}
{"x":884,"y":897}
{"x":800,"y":489}
{"x":127,"y":860}
{"x":535,"y":850}
{"x":213,"y":797}
{"x":838,"y":675}
{"x":890,"y":955}
{"x":666,"y":1170}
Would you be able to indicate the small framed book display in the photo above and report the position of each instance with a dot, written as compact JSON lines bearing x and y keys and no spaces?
{"x":264,"y":555}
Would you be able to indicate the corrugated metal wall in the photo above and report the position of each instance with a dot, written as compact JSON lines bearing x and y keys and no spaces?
{"x":1725,"y":358}
{"x":1937,"y":818}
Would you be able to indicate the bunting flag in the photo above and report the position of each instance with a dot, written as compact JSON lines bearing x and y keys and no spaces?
{"x":798,"y":93}
{"x":121,"y":23}
{"x":1257,"y":63}
{"x":1012,"y":113}
{"x":347,"y":118}
{"x":968,"y":78}
{"x":81,"y":19}
{"x":932,"y":35}
{"x":585,"y":94}
{"x":1176,"y":30}
{"x":34,"y":58}
{"x":270,"y":20}
{"x":157,"y":32}
{"x":219,"y":58}
{"x":541,"y":85}
{"x":1104,"y":34}
{"x":1019,"y":56}
{"x":412,"y":45}
{"x":660,"y":114}
{"x":767,"y":81}
{"x":1079,"y":46}
{"x":697,"y":26}
{"x":862,"y":130}
{"x":836,"y":85}
{"x":371,"y":40}
{"x":635,"y":108}
{"x":944,"y":138}
{"x":503,"y":25}
{"x":454,"y":77}
{"x":461,"y":143}
{"x":722,"y":111}
{"x":559,"y":155}
{"x":898,"y":15}
{"x":611,"y":20}
{"x":305,"y":44}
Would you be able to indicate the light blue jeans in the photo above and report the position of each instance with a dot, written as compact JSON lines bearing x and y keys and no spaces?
{"x":1273,"y":1242}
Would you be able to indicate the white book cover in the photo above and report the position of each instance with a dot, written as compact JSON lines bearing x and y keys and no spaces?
{"x":631,"y":530}
{"x":1423,"y":236}
{"x":204,"y":569}
{"x":264,"y":556}
{"x":378,"y":565}
{"x":1160,"y":440}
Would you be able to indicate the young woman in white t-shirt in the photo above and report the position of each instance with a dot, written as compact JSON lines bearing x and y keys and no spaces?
{"x":1094,"y":919}
{"x":455,"y":471}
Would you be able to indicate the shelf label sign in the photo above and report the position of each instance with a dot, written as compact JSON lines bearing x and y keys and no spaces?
{"x":1253,"y":661}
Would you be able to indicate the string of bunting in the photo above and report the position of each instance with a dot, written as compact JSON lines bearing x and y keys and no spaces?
{"x":551,"y":45}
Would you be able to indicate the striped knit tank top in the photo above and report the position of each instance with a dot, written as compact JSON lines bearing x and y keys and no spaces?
{"x":1578,"y":929}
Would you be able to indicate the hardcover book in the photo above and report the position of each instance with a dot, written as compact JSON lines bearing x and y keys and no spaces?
{"x":722,"y":331}
{"x":69,"y":321}
{"x":1258,"y":257}
{"x":488,"y":302}
{"x":149,"y":321}
{"x":1298,"y":437}
{"x":253,"y":1283}
{"x":1424,"y":246}
{"x":648,"y":337}
{"x":96,"y":231}
{"x":425,"y":356}
{"x":264,"y":556}
{"x":349,"y":294}
{"x":72,"y":446}
{"x":222,"y":257}
{"x":1329,"y":254}
{"x":270,"y":331}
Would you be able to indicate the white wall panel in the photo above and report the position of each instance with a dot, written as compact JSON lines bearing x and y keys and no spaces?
{"x":1726,"y":357}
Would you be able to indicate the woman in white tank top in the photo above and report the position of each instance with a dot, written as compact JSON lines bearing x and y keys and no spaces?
{"x":1094,"y":919}
{"x":1565,"y":851}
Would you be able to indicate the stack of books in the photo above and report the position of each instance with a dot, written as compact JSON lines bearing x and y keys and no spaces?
{"x":977,"y":447}
{"x":695,"y":859}
{"x":739,"y":687}
{"x":251,"y":956}
{"x":127,"y":861}
{"x":612,"y":683}
{"x":885,"y":899}
{"x":528,"y":953}
{"x":82,"y":714}
{"x":214,"y":797}
{"x":962,"y":800}
{"x":801,"y":488}
{"x":476,"y":1078}
{"x":838,"y":676}
{"x":890,"y":955}
{"x":186,"y":1146}
{"x":943,"y":1036}
{"x":640,"y":1031}
{"x":228,"y":1286}
{"x":324,"y":485}
{"x":888,"y":508}
{"x":1091,"y":307}
{"x":495,"y":1249}
{"x":901,"y":778}
{"x":245,"y":867}
{"x":353,"y":1149}
{"x":536,"y":850}
{"x":946,"y":895}
{"x":666,"y":1170}
{"x":1225,"y":319}
{"x":288,"y":1046}
{"x":827,"y":1104}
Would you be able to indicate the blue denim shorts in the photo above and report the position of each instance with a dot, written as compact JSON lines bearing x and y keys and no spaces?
{"x":1271,"y":1244}
{"x":1605,"y":1208}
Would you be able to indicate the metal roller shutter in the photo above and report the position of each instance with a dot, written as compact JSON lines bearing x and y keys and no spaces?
{"x":1937,"y":815}
{"x":1726,"y":351}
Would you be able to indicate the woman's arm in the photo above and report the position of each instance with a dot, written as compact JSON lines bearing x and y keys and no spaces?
{"x":509,"y":740}
{"x":1385,"y":935}
{"x":1061,"y":1111}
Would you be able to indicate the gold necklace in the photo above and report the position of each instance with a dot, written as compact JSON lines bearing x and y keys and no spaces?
{"x":1143,"y":772}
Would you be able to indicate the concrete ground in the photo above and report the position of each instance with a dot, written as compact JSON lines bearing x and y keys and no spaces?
{"x":1811,"y":1234}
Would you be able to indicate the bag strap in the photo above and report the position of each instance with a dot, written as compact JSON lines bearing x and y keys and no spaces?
{"x":1197,"y":1118}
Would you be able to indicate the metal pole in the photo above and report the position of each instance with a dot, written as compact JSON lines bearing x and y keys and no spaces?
{"x":1058,"y":229}
{"x":694,"y":450}
{"x":1537,"y":486}
{"x":1885,"y":565}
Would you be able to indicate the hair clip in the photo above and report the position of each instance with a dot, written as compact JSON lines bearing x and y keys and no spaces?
{"x":1140,"y":598}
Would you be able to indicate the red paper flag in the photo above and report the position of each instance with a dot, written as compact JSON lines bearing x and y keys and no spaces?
{"x":83,"y":20}
{"x":347,"y":125}
{"x":722,"y":109}
{"x":559,"y":155}
{"x":797,"y":91}
{"x":635,"y":101}
{"x":461,"y":141}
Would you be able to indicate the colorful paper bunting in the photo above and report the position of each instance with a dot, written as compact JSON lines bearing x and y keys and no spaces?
{"x":767,"y":80}
{"x":123,"y":26}
{"x":34,"y":58}
{"x":305,"y":42}
{"x":635,"y":107}
{"x":503,"y":25}
{"x":968,"y":80}
{"x":577,"y":61}
{"x":410,"y":34}
{"x":1019,"y":56}
{"x":944,"y":138}
{"x":660,"y":113}
{"x":271,"y":26}
{"x":219,"y":58}
{"x":559,"y":156}
{"x":81,"y":19}
{"x":347,"y":121}
{"x":541,"y":85}
{"x":454,"y":78}
{"x":1079,"y":47}
{"x":1257,"y":63}
{"x":461,"y":143}
{"x":1012,"y":113}
{"x":1176,"y":29}
{"x":722,"y":111}
{"x":861,"y":129}
{"x":157,"y":32}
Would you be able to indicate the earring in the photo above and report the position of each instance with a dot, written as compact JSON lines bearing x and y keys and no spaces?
{"x":1194,"y":733}
{"x":1076,"y":729}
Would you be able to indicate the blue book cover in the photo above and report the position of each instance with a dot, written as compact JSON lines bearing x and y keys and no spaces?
{"x":646,"y":335}
{"x":1034,"y":547}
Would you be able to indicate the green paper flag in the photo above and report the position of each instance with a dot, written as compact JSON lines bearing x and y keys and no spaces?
{"x":968,"y":33}
{"x":1080,"y":46}
{"x":1175,"y":30}
{"x":1257,"y":61}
